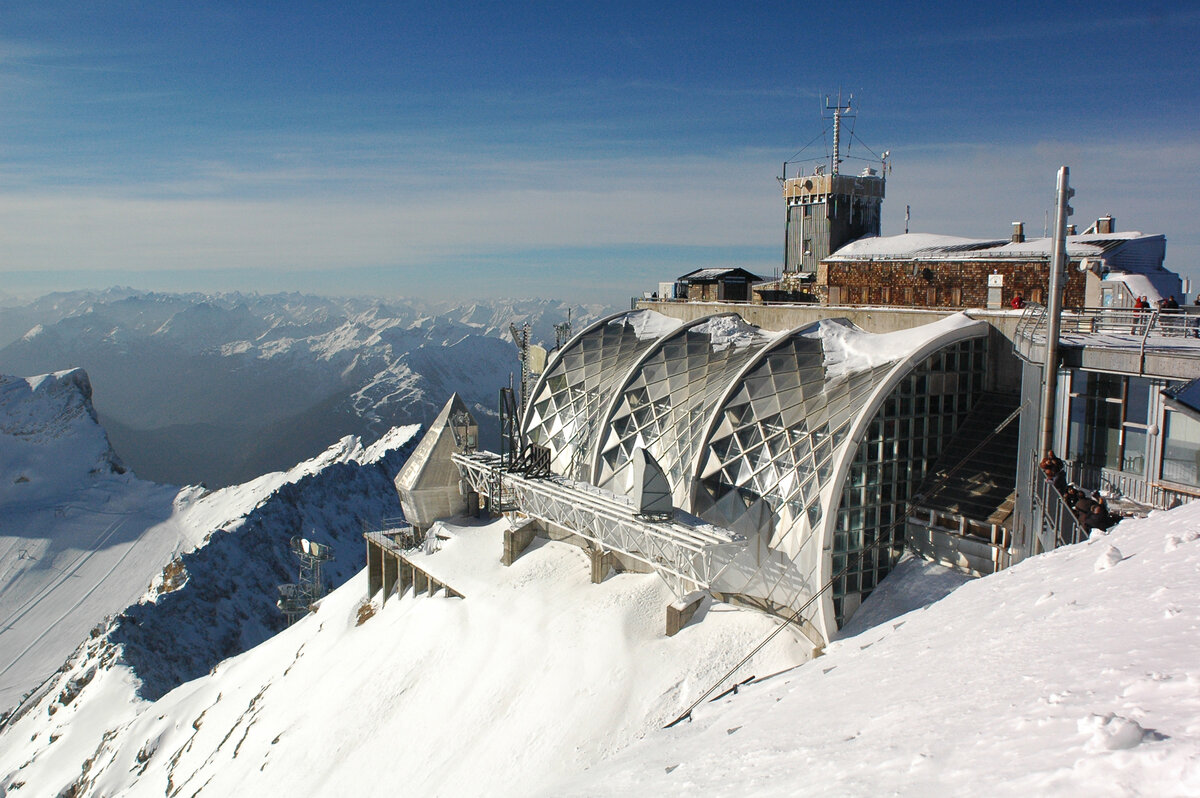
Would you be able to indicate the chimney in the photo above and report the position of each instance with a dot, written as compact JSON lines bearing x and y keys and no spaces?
{"x":1106,"y":224}
{"x":1070,"y":229}
{"x":1018,"y":234}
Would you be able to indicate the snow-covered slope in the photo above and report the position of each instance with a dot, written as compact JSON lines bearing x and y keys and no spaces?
{"x":221,"y":388}
{"x":79,"y":538}
{"x":82,"y":540}
{"x":534,"y":676}
{"x":1073,"y":673}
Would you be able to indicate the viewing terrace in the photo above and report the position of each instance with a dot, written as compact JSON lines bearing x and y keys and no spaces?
{"x":1150,"y":342}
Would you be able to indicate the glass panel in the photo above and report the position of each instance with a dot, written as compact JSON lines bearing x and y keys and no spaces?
{"x":1181,"y":449}
{"x":1134,"y":460}
{"x":1137,"y":400}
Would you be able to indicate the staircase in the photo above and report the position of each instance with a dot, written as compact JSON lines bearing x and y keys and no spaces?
{"x":963,"y":519}
{"x":981,"y":487}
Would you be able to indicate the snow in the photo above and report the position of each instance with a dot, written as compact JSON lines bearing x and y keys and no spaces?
{"x":79,"y":539}
{"x":536,"y":675}
{"x":848,"y":348}
{"x":648,"y":324}
{"x":1141,"y":285}
{"x":906,"y":245}
{"x":1072,"y":673}
{"x":726,"y":331}
{"x":1050,"y":678}
{"x":928,"y":245}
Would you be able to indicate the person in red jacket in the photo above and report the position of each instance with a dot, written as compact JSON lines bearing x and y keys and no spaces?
{"x":1018,"y":302}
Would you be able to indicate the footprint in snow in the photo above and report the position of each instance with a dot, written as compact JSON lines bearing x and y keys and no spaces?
{"x":1173,"y":542}
{"x":1042,"y":599}
{"x":1110,"y":557}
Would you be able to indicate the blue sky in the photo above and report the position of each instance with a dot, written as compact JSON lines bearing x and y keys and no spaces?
{"x":574,"y":150}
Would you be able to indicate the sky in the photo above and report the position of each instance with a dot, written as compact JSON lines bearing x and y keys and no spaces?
{"x":573,"y":150}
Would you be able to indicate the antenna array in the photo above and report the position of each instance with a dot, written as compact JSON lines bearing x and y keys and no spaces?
{"x":295,"y":600}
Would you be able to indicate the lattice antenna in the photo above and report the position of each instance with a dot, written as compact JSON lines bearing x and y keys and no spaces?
{"x":562,"y":331}
{"x":521,"y":339}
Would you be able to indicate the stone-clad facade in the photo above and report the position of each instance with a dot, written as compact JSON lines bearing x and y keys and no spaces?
{"x":942,"y":283}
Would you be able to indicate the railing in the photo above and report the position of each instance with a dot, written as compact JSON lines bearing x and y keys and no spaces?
{"x":1056,"y":517}
{"x":1150,"y":327}
{"x":1151,"y":495}
{"x":687,"y":556}
{"x":395,"y":538}
{"x":953,"y":539}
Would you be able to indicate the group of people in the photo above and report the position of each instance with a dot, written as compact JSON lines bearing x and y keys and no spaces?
{"x":1090,"y":510}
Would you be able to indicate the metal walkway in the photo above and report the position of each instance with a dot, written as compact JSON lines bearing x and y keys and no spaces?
{"x":688,"y":553}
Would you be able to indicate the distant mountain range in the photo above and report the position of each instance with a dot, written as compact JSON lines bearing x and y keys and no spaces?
{"x":217,"y":389}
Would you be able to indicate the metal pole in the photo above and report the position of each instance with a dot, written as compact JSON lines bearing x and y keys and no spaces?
{"x":1058,"y":266}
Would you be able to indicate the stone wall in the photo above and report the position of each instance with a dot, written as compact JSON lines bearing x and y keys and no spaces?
{"x":939,"y":283}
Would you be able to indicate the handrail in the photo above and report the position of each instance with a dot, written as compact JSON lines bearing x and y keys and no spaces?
{"x":1140,"y":324}
{"x":1053,"y":510}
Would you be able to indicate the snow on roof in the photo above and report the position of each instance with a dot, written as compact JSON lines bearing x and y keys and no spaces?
{"x":849,"y":348}
{"x":927,"y":245}
{"x":704,"y":275}
{"x":730,"y":330}
{"x":1138,"y":285}
{"x":647,"y":323}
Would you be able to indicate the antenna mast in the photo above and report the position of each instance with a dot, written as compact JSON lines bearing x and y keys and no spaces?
{"x":838,"y":111}
{"x":562,"y":331}
{"x":521,"y":339}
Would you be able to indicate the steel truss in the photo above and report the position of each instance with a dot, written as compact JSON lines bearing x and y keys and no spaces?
{"x":688,"y":557}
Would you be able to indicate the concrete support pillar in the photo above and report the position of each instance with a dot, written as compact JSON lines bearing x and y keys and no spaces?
{"x":406,"y":576}
{"x":680,"y":612}
{"x":391,"y":567}
{"x":517,"y":540}
{"x":374,"y":569}
{"x":602,"y":562}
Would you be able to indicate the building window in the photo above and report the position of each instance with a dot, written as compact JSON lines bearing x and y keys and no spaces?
{"x":1181,"y":449}
{"x":899,"y":448}
{"x":1108,"y":421}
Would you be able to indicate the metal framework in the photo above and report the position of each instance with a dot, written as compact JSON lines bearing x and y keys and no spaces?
{"x":296,"y":599}
{"x":688,"y":556}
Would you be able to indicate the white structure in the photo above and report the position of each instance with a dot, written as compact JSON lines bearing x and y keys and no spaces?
{"x":808,"y":443}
